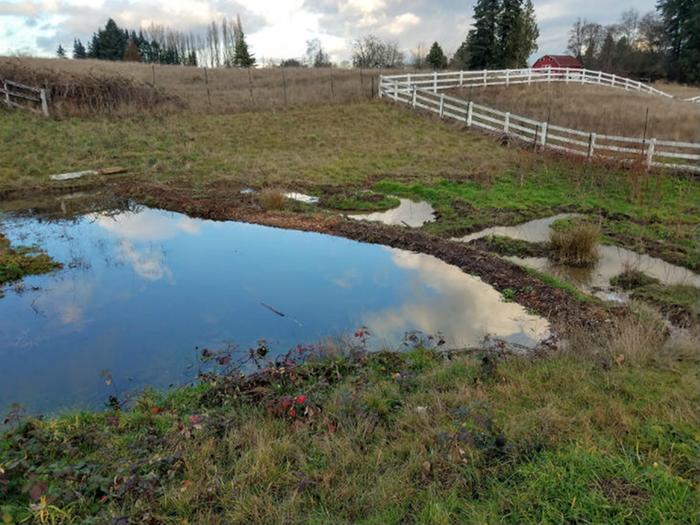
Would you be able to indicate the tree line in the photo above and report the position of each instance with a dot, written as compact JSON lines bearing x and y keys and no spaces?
{"x":660,"y":44}
{"x":223,"y":45}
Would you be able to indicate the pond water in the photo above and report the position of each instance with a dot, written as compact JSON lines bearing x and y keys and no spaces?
{"x":142,"y":289}
{"x":613,"y":259}
{"x":407,"y":213}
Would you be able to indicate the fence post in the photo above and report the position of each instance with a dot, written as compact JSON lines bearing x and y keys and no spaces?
{"x":650,"y":153}
{"x":379,"y":89}
{"x":330,"y":72}
{"x":284,"y":85}
{"x":434,"y":81}
{"x":591,"y":145}
{"x":44,"y":103}
{"x":413,"y":103}
{"x":206,"y":83}
{"x":485,"y":77}
{"x":396,"y":90}
{"x":442,"y":105}
{"x":529,"y":77}
{"x":470,"y":113}
{"x":543,"y":138}
{"x":7,"y":92}
{"x":600,"y":77}
{"x":614,"y":77}
{"x":153,"y":69}
{"x":566,"y":72}
{"x":583,"y":76}
{"x":506,"y":123}
{"x":507,"y":77}
{"x":461,"y":78}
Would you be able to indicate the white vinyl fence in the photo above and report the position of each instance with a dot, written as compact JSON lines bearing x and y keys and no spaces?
{"x":421,"y":91}
{"x":694,"y":99}
{"x":16,"y":95}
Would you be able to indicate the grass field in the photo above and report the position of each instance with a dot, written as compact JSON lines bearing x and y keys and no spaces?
{"x":599,"y":109}
{"x":604,"y":429}
{"x":602,"y":433}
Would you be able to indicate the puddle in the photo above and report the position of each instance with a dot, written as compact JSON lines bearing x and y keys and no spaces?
{"x":407,"y":213}
{"x":142,"y":289}
{"x":531,"y":231}
{"x":302,"y":197}
{"x":613,"y":259}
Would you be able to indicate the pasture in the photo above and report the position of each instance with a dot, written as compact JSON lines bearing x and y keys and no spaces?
{"x":326,"y":369}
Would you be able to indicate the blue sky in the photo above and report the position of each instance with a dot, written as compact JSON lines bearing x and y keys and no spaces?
{"x":279,"y":28}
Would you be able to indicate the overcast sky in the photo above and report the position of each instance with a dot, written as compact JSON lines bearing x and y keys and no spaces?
{"x":279,"y":28}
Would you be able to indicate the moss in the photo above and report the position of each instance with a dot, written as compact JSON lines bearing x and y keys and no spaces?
{"x":16,"y":262}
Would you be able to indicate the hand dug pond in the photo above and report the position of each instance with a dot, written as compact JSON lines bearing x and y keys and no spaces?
{"x":143,"y":291}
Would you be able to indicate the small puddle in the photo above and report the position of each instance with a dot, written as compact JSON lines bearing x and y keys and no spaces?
{"x":407,"y":213}
{"x":613,"y":259}
{"x":302,"y":197}
{"x":531,"y":231}
{"x":142,"y":289}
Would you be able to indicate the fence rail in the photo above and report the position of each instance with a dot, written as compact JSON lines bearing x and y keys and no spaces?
{"x":694,"y":99}
{"x":16,"y":95}
{"x":651,"y":152}
{"x":438,"y":81}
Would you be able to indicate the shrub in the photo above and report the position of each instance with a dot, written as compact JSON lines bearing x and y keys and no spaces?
{"x":575,"y":246}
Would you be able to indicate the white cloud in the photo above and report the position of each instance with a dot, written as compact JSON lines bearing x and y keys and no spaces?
{"x":402,"y":22}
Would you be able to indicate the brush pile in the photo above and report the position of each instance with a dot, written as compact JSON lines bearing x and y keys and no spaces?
{"x":81,"y":94}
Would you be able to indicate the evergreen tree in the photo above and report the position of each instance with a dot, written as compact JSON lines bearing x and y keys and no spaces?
{"x":517,"y":33}
{"x":510,"y":25}
{"x":462,"y":57}
{"x":682,"y":27}
{"x":132,"y":53}
{"x":436,"y":58}
{"x":606,"y":56}
{"x":60,"y":52}
{"x":241,"y":55}
{"x":79,"y":50}
{"x":483,"y":39}
{"x":108,"y":43}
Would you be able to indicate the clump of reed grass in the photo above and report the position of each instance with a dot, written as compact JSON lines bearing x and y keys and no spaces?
{"x":272,"y":199}
{"x":577,"y":245}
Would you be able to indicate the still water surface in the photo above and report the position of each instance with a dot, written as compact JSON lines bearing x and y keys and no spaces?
{"x":142,"y":289}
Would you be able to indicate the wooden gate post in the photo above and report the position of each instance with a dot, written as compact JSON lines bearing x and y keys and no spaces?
{"x":44,"y":103}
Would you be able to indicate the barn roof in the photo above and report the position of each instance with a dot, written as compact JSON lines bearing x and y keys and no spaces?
{"x":564,"y":60}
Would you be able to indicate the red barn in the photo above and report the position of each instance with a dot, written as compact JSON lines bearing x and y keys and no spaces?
{"x":558,"y":61}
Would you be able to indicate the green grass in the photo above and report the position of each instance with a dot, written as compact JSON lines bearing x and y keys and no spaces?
{"x":387,"y":438}
{"x":18,"y":261}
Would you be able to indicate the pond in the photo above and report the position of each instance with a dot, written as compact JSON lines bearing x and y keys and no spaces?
{"x":142,"y":290}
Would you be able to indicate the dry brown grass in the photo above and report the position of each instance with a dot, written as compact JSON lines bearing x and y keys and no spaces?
{"x":595,"y":108}
{"x":272,"y":199}
{"x":218,"y":90}
{"x":678,"y":90}
{"x":633,"y":339}
{"x":576,"y":245}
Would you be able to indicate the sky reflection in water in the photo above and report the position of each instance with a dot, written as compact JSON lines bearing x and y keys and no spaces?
{"x":142,"y":289}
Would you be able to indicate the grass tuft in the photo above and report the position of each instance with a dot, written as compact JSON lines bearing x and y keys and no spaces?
{"x":575,"y":246}
{"x":272,"y":199}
